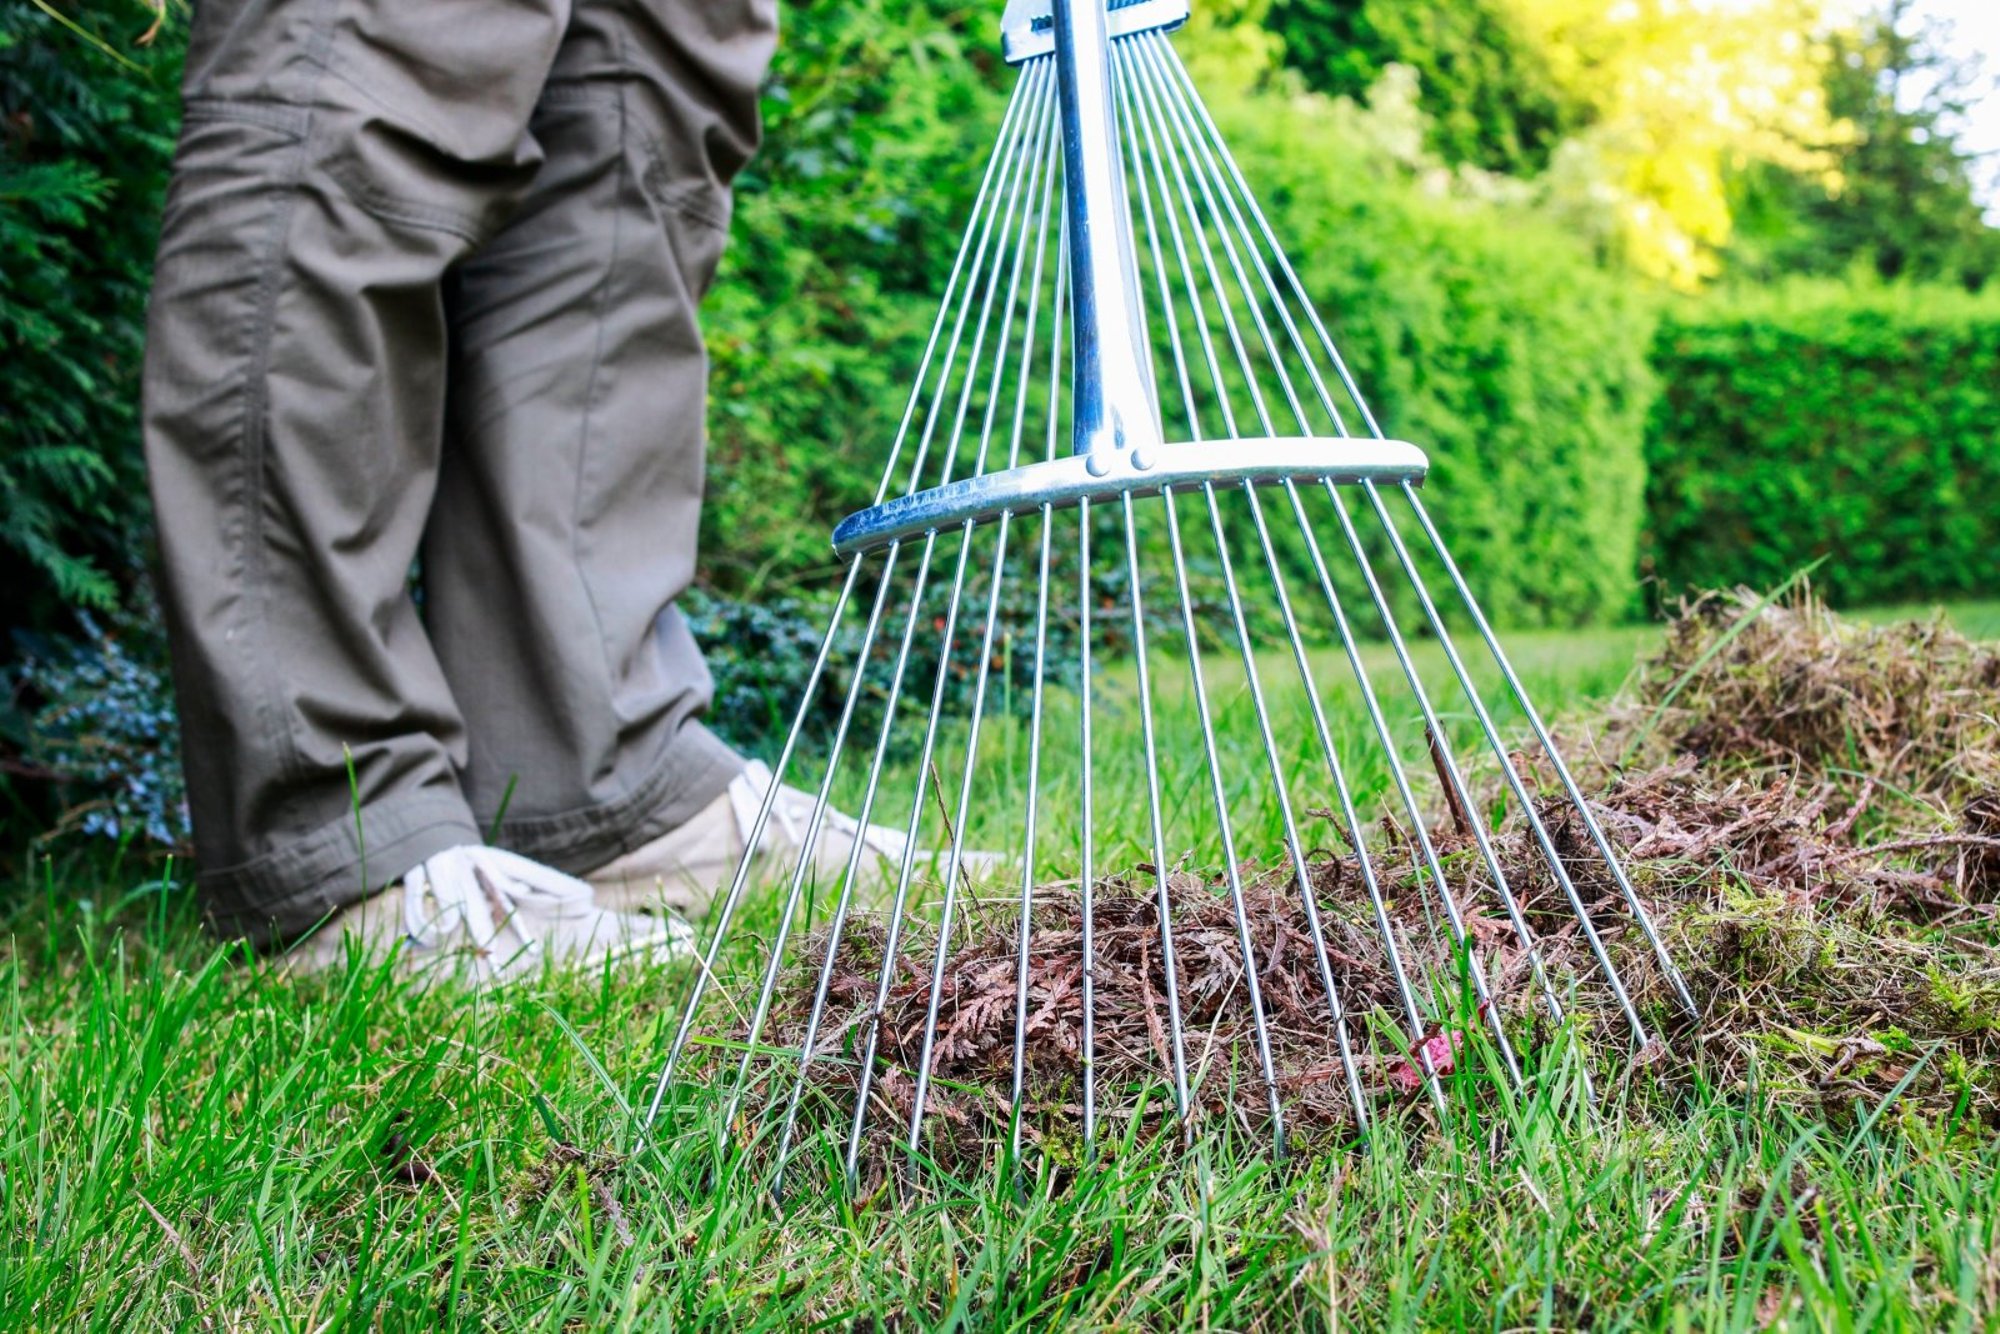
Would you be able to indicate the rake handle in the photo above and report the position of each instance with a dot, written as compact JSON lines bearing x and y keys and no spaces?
{"x":1114,"y":407}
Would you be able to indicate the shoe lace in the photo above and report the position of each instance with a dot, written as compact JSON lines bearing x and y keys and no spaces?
{"x":478,"y":895}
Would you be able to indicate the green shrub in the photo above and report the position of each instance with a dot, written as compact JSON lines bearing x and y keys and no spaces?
{"x":877,"y":118}
{"x":102,"y":727}
{"x":1481,"y":333}
{"x":1819,"y":421}
{"x":84,"y":147}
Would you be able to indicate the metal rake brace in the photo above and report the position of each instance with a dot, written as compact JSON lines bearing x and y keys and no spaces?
{"x":1112,"y":212}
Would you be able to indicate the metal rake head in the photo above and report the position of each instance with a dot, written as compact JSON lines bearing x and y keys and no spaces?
{"x":1049,"y":643}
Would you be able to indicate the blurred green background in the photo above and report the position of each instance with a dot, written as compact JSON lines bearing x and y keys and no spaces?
{"x":1677,"y":292}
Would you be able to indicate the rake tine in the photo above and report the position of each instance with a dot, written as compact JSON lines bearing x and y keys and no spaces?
{"x":735,"y":892}
{"x":1043,"y":124}
{"x":1162,"y":57}
{"x":1236,"y":341}
{"x":1028,"y":841}
{"x":1035,"y":761}
{"x":1086,"y":848}
{"x":1169,"y":60}
{"x":992,"y":619}
{"x":1023,"y":96}
{"x":1310,"y":907}
{"x":1455,"y":783}
{"x":803,"y":871}
{"x":1202,"y":167}
{"x":1325,"y":738}
{"x":1167,"y":962}
{"x":946,"y":640}
{"x":1512,"y":779}
{"x":1040,"y":194}
{"x":1293,"y":846}
{"x":851,"y":874}
{"x":1012,"y":177}
{"x":1400,"y":779}
{"x":897,"y":912}
{"x":1638,"y":909}
{"x":1218,"y":790}
{"x":958,"y":836}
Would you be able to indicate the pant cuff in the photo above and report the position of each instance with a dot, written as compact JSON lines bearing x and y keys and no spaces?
{"x":696,"y":769}
{"x":285,"y":893}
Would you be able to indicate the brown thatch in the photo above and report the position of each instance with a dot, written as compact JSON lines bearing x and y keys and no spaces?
{"x":1830,"y":931}
{"x":1910,"y":709}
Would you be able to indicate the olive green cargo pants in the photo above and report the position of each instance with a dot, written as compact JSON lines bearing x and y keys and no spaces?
{"x":427,"y":285}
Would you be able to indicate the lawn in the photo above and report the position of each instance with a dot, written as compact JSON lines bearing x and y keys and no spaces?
{"x":192,"y":1140}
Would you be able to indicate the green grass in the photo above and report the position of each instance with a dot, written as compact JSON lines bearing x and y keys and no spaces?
{"x":1974,"y":620}
{"x":1557,"y":670}
{"x":192,"y":1141}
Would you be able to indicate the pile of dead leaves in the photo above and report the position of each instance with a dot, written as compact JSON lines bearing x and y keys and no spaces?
{"x":1808,"y":810}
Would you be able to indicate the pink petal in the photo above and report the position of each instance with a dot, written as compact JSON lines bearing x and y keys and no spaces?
{"x":1409,"y":1075}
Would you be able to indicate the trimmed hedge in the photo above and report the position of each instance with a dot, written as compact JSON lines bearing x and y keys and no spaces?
{"x":1861,"y":426}
{"x":1487,"y":337}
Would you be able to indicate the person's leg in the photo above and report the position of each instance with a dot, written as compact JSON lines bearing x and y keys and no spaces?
{"x":570,"y":497}
{"x":337,"y":157}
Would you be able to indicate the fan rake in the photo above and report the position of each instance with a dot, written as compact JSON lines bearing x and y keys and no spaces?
{"x":1204,"y":430}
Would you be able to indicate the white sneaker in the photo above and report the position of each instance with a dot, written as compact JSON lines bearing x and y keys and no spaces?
{"x":685,"y":868}
{"x":489,"y":917}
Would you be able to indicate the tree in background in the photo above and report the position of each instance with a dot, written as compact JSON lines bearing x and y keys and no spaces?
{"x":1488,"y":92}
{"x":1628,"y":115}
{"x":1901,"y":199}
{"x":1679,"y":93}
